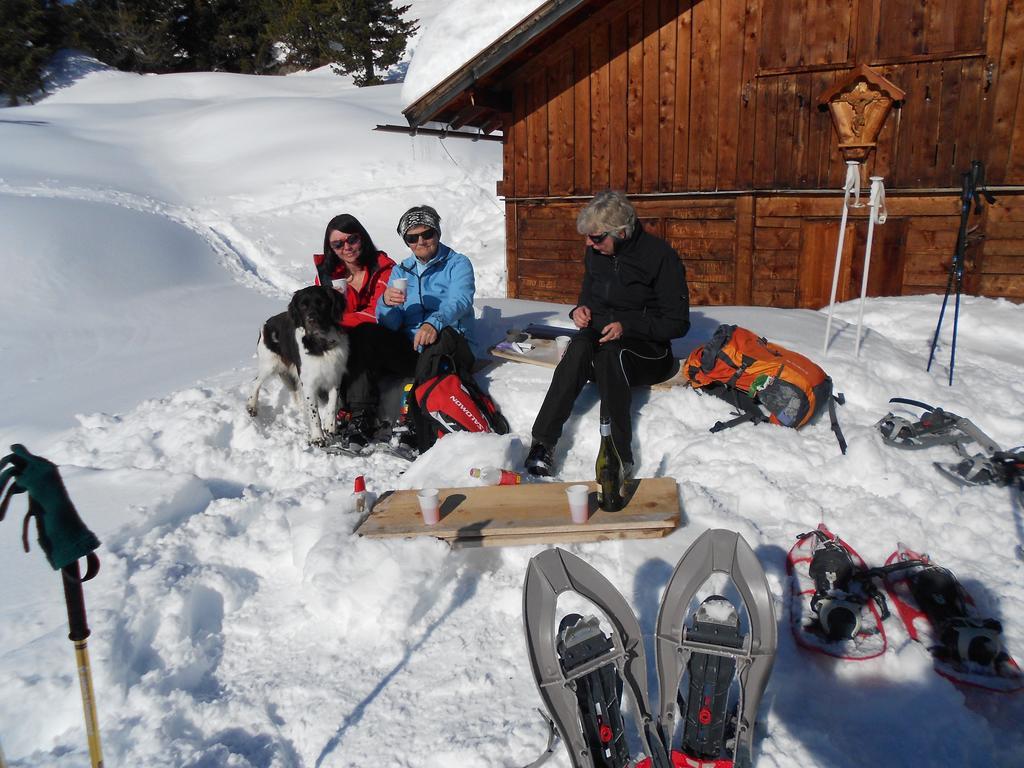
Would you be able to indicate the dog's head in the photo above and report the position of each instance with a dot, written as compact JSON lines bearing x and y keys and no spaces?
{"x":317,"y":309}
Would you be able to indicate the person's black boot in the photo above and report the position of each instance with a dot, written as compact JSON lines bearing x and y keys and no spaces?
{"x":362,"y":429}
{"x":540,"y":462}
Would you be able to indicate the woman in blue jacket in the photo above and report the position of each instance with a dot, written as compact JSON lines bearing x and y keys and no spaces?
{"x":440,"y":288}
{"x":428,"y":319}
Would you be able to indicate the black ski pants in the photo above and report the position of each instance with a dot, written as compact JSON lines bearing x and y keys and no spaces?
{"x":615,"y":366}
{"x":375,"y":352}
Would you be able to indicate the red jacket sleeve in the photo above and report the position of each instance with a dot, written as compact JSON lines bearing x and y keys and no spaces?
{"x":361,"y":307}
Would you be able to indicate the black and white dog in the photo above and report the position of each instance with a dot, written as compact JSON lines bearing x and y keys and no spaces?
{"x":309,"y":351}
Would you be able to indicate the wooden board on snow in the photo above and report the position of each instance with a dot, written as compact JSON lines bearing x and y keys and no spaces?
{"x":531,"y":513}
{"x":543,"y":352}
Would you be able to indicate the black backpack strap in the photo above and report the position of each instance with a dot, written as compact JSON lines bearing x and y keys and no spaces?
{"x":747,"y":407}
{"x":832,"y":400}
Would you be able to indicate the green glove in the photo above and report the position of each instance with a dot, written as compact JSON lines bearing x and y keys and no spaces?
{"x":62,"y":534}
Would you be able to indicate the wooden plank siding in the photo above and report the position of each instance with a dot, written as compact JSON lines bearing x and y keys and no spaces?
{"x":706,"y":113}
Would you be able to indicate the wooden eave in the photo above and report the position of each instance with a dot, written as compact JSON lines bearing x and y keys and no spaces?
{"x":472,"y":95}
{"x":869,"y":74}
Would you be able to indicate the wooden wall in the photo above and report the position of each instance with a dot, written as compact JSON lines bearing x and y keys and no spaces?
{"x":670,"y":95}
{"x":674,"y":97}
{"x":779,"y":250}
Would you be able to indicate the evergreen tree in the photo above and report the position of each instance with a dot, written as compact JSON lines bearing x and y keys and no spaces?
{"x":30,"y":33}
{"x":372,"y":36}
{"x":132,"y":35}
{"x":225,"y":36}
{"x":360,"y":37}
{"x":306,"y":29}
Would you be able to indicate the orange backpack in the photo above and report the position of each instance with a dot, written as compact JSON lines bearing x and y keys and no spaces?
{"x":759,"y":377}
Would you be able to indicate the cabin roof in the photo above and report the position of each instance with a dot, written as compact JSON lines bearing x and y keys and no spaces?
{"x":469,"y":95}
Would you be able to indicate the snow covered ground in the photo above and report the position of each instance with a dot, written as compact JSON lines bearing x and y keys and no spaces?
{"x":147,"y":227}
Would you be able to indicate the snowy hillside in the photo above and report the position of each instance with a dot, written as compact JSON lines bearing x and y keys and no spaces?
{"x":149,"y":224}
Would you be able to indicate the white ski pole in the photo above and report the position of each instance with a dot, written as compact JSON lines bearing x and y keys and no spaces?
{"x":851,"y":185}
{"x":877,"y":214}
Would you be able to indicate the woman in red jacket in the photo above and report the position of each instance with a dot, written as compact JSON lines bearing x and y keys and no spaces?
{"x":351,"y":257}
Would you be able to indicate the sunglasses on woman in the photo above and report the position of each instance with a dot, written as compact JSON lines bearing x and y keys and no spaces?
{"x":598,"y":238}
{"x":352,"y":240}
{"x":427,"y":234}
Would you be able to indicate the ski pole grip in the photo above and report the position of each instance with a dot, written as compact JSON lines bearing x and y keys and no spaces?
{"x":79,"y":627}
{"x":977,"y":174}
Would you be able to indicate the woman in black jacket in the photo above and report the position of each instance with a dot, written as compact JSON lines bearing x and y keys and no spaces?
{"x":633,"y":302}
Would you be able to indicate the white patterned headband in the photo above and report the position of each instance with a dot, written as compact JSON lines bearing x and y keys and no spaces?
{"x":418,"y":217}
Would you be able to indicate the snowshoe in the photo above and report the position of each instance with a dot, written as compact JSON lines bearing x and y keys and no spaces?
{"x":395,"y":446}
{"x":714,"y":654}
{"x":834,"y":606}
{"x":343,"y":447}
{"x":935,"y":427}
{"x":1001,"y":468}
{"x":938,"y":612}
{"x":580,"y":671}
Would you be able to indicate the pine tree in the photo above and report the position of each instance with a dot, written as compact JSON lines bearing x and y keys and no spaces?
{"x":132,"y":35}
{"x":30,"y":33}
{"x":372,"y":36}
{"x":306,"y":29}
{"x":361,"y":37}
{"x":225,"y":36}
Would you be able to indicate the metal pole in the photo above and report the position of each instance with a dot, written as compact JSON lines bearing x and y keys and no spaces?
{"x":955,"y":273}
{"x":851,"y":185}
{"x":876,"y":202}
{"x":79,"y":632}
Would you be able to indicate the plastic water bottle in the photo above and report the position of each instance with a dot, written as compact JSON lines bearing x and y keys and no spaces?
{"x":495,"y":476}
{"x":609,"y":471}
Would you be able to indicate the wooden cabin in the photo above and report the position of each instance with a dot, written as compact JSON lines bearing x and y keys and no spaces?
{"x":708,"y":114}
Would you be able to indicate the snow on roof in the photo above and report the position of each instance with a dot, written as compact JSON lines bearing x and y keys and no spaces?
{"x":456,"y":35}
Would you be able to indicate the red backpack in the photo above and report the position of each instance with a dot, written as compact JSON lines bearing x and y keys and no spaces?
{"x":450,"y":403}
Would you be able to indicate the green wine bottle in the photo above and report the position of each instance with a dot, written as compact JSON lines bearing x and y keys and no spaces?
{"x":610,"y":475}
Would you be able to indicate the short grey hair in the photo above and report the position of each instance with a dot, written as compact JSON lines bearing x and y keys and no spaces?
{"x":609,"y":211}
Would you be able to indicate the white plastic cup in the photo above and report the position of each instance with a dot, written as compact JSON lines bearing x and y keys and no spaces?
{"x":430,"y":505}
{"x":400,"y":284}
{"x":561,"y":344}
{"x":579,"y":502}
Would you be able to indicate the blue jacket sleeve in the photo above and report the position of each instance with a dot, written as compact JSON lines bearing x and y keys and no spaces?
{"x":458,"y":299}
{"x":390,"y":317}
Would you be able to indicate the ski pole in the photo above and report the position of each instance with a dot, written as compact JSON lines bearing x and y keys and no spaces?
{"x":851,"y":185}
{"x":75,"y":600}
{"x":64,"y":539}
{"x":955,"y":268}
{"x":876,"y":202}
{"x":972,"y":189}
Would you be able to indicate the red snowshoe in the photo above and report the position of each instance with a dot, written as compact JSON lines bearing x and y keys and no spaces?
{"x":834,"y":606}
{"x":940,"y":614}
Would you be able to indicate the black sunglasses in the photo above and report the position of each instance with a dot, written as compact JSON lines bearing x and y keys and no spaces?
{"x":352,"y":239}
{"x":427,"y":234}
{"x":595,"y":239}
